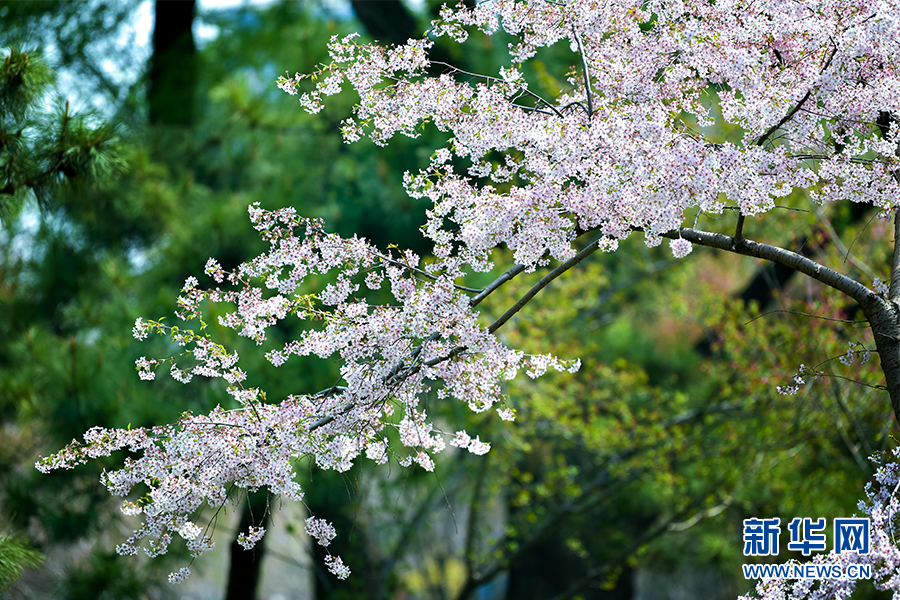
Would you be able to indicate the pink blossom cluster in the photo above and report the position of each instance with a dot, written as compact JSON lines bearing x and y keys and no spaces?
{"x":337,"y":567}
{"x":179,"y":575}
{"x":320,"y":530}
{"x":392,"y":354}
{"x":181,"y":468}
{"x":248,"y":540}
{"x":793,"y":388}
{"x":854,"y":350}
{"x":882,"y":507}
{"x":629,"y":151}
{"x":464,"y":440}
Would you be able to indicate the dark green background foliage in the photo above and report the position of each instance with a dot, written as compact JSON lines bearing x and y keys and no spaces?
{"x":124,"y":167}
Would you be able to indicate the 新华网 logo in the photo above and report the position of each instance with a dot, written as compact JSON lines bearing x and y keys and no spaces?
{"x":762,"y":537}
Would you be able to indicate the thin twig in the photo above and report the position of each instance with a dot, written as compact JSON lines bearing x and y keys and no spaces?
{"x":697,"y":217}
{"x":455,"y":70}
{"x":819,"y":373}
{"x":802,"y":314}
{"x":866,"y":226}
{"x":418,"y":271}
{"x":843,"y":249}
{"x":856,"y":381}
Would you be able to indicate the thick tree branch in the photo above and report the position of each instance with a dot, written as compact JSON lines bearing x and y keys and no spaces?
{"x":489,"y":289}
{"x":736,"y":245}
{"x":742,"y":246}
{"x":792,"y":260}
{"x":882,"y":313}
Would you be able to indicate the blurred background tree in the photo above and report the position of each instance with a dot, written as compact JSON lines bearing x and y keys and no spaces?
{"x":125,"y":164}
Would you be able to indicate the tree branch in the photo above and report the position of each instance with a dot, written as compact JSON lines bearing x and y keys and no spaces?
{"x":789,"y":259}
{"x":508,"y":275}
{"x":455,"y":70}
{"x":544,"y":282}
{"x":894,"y":293}
{"x":489,"y":289}
{"x":762,"y":139}
{"x":648,"y":536}
{"x":739,"y":230}
{"x":587,"y":74}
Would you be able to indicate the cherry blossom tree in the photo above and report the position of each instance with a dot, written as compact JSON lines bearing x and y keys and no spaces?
{"x":812,"y":88}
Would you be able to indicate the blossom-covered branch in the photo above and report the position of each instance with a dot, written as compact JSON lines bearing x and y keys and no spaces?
{"x":804,"y":83}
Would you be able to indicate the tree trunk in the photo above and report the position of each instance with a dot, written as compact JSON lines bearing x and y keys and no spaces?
{"x":386,"y":20}
{"x":331,"y":498}
{"x":246,"y":565}
{"x":173,"y":66}
{"x":884,"y":317}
